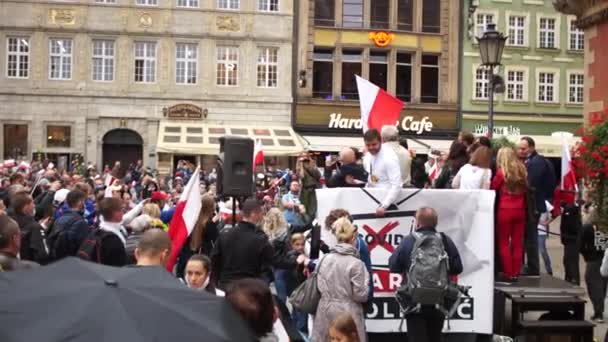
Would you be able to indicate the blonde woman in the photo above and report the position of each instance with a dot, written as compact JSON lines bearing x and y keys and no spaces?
{"x":511,"y":185}
{"x":152,"y":210}
{"x":343,"y":283}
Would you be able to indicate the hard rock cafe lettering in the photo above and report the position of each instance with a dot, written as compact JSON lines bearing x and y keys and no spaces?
{"x":407,"y":124}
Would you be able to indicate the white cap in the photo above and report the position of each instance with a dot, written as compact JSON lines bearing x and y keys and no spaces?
{"x":60,"y":196}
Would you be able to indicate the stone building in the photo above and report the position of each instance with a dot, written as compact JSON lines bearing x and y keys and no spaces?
{"x":157,"y":80}
{"x":408,"y":47}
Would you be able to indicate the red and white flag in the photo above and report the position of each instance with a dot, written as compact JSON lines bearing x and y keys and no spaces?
{"x":185,"y":217}
{"x":568,"y":179}
{"x":258,"y":154}
{"x":108,"y":182}
{"x":433,"y":172}
{"x":378,"y":108}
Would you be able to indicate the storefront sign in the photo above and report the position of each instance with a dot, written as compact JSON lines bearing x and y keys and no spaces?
{"x":481,"y":129}
{"x":184,"y":111}
{"x":347,"y":119}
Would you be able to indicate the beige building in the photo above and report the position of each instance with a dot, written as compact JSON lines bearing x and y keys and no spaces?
{"x":155,"y":80}
{"x":408,"y":47}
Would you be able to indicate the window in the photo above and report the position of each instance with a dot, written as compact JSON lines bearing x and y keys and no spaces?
{"x":58,"y":136}
{"x":186,"y":63}
{"x":187,"y":3}
{"x":15,"y":141}
{"x":60,"y":63}
{"x":268,"y":5}
{"x":517,"y":30}
{"x":431,"y":16}
{"x":352,"y":13}
{"x":379,"y":14}
{"x":577,"y":37}
{"x":18,"y":57}
{"x":324,"y":13}
{"x":351,"y":66}
{"x":404,"y":76}
{"x":145,"y":62}
{"x":405,"y":10}
{"x":576,"y":87}
{"x":105,"y":1}
{"x":228,"y":4}
{"x":429,"y":79}
{"x":268,"y":65}
{"x":482,"y":83}
{"x":378,"y":68}
{"x":515,"y":85}
{"x":546,"y":38}
{"x":322,"y":73}
{"x":481,"y":23}
{"x":227,"y":66}
{"x":546,"y":87}
{"x":103,"y":60}
{"x":147,"y":2}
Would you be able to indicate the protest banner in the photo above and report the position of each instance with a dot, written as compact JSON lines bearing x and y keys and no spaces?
{"x":466,"y":216}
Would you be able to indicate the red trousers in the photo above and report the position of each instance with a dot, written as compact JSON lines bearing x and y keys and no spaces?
{"x":511,"y":228}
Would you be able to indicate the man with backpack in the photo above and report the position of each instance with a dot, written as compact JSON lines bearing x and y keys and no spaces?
{"x":33,"y":236}
{"x":71,"y":229}
{"x":106,"y":245}
{"x":426,"y":259}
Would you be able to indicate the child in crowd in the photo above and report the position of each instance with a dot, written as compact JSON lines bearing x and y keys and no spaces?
{"x":343,"y":329}
{"x":297,"y":277}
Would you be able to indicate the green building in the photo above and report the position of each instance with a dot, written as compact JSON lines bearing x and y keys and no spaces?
{"x":542,"y":69}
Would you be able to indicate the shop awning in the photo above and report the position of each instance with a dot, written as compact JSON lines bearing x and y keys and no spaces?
{"x":336,"y":143}
{"x":546,"y":145}
{"x":179,"y":137}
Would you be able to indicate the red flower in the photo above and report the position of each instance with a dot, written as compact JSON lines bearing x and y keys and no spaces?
{"x":592,"y":174}
{"x":587,"y":139}
{"x":582,"y":149}
{"x":595,"y":155}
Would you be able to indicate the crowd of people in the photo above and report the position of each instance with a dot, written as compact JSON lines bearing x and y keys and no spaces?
{"x":120,"y":216}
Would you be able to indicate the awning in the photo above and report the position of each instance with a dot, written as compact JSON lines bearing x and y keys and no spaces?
{"x":336,"y":143}
{"x":179,"y":137}
{"x":546,"y":145}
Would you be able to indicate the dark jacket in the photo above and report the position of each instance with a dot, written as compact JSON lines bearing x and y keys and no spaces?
{"x":541,"y":177}
{"x":33,"y":241}
{"x":400,"y":261}
{"x":43,"y":202}
{"x":113,"y":251}
{"x":67,"y":234}
{"x":241,"y":252}
{"x":11,"y":263}
{"x":338,"y":179}
{"x":586,"y":244}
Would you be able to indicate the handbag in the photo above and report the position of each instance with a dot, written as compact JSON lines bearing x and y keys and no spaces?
{"x":306,"y":297}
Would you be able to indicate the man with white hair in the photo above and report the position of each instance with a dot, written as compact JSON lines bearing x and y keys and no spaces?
{"x":390,"y":138}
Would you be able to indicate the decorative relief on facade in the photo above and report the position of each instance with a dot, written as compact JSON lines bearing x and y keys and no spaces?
{"x":62,"y":16}
{"x":227,"y":23}
{"x":145,"y":20}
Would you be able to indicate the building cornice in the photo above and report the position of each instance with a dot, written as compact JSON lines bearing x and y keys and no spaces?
{"x":588,"y":13}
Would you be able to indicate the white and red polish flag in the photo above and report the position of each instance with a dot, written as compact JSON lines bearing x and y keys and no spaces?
{"x":108,"y":182}
{"x":378,"y":108}
{"x":258,"y":154}
{"x":568,"y":180}
{"x":185,"y":217}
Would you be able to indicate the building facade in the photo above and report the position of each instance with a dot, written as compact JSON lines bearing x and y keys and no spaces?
{"x":142,"y":79}
{"x":408,"y":47}
{"x":542,"y":69}
{"x":592,"y":17}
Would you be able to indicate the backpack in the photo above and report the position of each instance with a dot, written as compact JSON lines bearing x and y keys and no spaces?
{"x":427,"y":278}
{"x":57,"y":238}
{"x":90,"y":249}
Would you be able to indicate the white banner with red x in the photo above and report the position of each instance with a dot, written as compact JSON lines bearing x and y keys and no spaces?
{"x":465,"y":216}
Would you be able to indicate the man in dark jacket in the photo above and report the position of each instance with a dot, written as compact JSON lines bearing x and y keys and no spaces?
{"x":70,"y":230}
{"x":243,"y":251}
{"x":348,"y":172}
{"x":10,"y":244}
{"x":426,"y":325}
{"x":541,"y":179}
{"x":593,"y":254}
{"x":33,"y":240}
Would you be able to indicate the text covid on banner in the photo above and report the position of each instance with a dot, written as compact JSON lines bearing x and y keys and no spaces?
{"x":465,"y":216}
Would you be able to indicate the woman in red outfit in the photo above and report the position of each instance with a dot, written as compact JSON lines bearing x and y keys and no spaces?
{"x":510,"y":184}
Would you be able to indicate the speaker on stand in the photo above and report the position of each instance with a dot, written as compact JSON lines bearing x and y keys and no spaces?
{"x":235,"y":169}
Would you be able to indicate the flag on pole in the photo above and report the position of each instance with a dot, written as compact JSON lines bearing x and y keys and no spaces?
{"x":258,"y":154}
{"x":108,"y":182}
{"x":378,"y":108}
{"x":568,"y":179}
{"x":185,"y":217}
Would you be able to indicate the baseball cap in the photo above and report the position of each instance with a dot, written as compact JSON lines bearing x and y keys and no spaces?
{"x":60,"y":196}
{"x":159,"y":195}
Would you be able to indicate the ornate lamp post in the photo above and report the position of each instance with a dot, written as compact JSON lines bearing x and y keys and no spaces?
{"x":491,"y":45}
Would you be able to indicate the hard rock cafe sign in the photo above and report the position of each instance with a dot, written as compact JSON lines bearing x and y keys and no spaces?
{"x":184,"y":111}
{"x":408,"y":123}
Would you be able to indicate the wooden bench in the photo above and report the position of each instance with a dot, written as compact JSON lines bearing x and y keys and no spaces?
{"x":521,"y":305}
{"x":578,"y":331}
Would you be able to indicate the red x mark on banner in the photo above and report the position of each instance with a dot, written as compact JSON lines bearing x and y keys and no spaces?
{"x":379,"y":238}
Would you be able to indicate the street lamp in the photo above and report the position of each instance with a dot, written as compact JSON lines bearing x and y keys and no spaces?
{"x":491,"y":45}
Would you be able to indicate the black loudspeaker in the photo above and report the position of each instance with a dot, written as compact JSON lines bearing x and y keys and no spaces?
{"x":235,"y":167}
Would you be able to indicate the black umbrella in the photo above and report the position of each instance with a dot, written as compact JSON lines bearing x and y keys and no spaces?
{"x":74,"y":300}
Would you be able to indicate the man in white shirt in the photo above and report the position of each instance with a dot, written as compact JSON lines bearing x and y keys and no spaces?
{"x":382,"y":165}
{"x":390,"y":138}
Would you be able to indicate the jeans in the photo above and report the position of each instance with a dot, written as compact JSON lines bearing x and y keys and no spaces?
{"x":280,"y":283}
{"x":301,"y":320}
{"x":425,"y":326}
{"x":571,"y":265}
{"x":596,"y":286}
{"x":542,"y":247}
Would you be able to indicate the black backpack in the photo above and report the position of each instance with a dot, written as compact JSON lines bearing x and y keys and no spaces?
{"x":90,"y":249}
{"x":57,"y":239}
